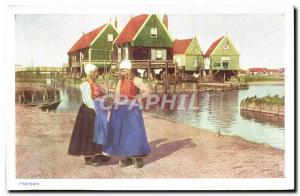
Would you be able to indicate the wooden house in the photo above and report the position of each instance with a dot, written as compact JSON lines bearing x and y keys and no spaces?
{"x":188,"y":55}
{"x":145,"y":41}
{"x":222,"y":59}
{"x":93,"y":47}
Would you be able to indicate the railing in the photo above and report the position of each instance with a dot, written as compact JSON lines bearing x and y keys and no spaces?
{"x":41,"y":69}
{"x":143,"y":64}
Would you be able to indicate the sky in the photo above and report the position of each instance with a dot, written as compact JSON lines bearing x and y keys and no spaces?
{"x":44,"y":39}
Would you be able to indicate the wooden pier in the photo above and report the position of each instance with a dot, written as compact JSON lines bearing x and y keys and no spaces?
{"x":41,"y":95}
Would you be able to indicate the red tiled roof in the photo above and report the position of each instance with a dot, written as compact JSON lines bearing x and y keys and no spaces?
{"x":257,"y":69}
{"x":131,"y":29}
{"x":86,"y":39}
{"x":273,"y":70}
{"x":180,"y":46}
{"x":212,"y":47}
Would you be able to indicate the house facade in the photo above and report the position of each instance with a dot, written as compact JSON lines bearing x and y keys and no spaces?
{"x":93,"y":47}
{"x":222,"y":59}
{"x":188,"y":55}
{"x":145,"y":41}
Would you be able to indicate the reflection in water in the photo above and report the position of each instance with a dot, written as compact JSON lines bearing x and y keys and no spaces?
{"x":217,"y":111}
{"x":71,"y":100}
{"x":263,"y":118}
{"x":223,"y":109}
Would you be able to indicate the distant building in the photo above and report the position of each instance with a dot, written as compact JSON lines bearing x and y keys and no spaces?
{"x":222,"y":59}
{"x":188,"y":55}
{"x":266,"y":71}
{"x":93,"y":47}
{"x":257,"y":71}
{"x":273,"y":71}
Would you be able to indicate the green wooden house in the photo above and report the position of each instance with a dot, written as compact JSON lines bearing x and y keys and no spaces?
{"x":188,"y":55}
{"x":93,"y":47}
{"x":145,"y":41}
{"x":222,"y":59}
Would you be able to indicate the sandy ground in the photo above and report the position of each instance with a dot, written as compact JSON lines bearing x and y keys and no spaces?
{"x":178,"y":151}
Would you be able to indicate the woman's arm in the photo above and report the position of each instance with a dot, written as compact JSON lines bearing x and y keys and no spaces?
{"x":144,"y":88}
{"x":87,"y":95}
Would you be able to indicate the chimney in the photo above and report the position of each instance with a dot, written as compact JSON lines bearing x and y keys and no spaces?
{"x":165,"y":20}
{"x":116,"y":22}
{"x":83,"y":32}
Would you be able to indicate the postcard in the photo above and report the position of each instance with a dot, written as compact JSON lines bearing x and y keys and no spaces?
{"x":177,"y":97}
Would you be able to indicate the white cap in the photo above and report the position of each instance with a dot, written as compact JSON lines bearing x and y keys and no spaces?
{"x":88,"y":68}
{"x":126,"y":64}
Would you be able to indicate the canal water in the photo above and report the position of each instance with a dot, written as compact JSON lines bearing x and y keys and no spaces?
{"x":217,"y":111}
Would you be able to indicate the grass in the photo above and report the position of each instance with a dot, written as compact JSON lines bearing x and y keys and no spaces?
{"x":258,"y":78}
{"x":268,"y":100}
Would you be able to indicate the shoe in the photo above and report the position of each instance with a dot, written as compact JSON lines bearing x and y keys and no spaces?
{"x":138,"y":162}
{"x":102,"y":158}
{"x":91,"y":161}
{"x":125,"y":162}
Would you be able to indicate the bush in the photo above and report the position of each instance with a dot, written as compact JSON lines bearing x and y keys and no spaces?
{"x":268,"y":100}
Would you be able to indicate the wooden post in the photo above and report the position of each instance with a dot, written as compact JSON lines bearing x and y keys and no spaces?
{"x":166,"y":65}
{"x":224,"y":76}
{"x":149,"y":70}
{"x":175,"y":69}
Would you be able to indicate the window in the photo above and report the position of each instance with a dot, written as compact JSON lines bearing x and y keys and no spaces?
{"x":195,"y":62}
{"x":226,"y":46}
{"x":119,"y":54}
{"x":217,"y":64}
{"x":225,"y":62}
{"x":125,"y":53}
{"x":81,"y":56}
{"x":110,"y":37}
{"x":153,"y":32}
{"x":159,"y":54}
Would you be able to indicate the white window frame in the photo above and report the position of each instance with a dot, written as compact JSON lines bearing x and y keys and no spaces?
{"x":223,"y":59}
{"x":195,"y":60}
{"x":125,"y":53}
{"x":153,"y":32}
{"x":159,"y":55}
{"x":110,"y":37}
{"x":226,"y":46}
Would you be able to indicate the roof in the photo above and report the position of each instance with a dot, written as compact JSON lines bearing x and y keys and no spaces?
{"x":273,"y":70}
{"x":213,"y":47}
{"x":86,"y":39}
{"x":180,"y":46}
{"x":257,"y":69}
{"x":131,"y":29}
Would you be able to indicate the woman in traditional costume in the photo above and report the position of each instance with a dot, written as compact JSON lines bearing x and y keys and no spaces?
{"x":126,"y":130}
{"x":90,"y":130}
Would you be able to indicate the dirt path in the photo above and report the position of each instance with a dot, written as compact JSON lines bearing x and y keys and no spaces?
{"x":178,"y":151}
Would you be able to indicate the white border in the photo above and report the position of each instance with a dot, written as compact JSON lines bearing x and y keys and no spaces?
{"x":150,"y":184}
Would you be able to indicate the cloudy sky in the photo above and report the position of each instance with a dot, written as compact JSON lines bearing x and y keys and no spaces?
{"x":45,"y":39}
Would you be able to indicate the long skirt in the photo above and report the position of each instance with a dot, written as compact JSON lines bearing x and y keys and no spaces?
{"x":100,"y":125}
{"x":126,"y":133}
{"x":81,"y":142}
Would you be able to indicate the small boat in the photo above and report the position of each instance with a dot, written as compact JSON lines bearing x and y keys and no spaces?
{"x":50,"y":106}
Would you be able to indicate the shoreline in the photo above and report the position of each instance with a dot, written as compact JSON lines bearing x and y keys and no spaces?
{"x":281,"y":82}
{"x":178,"y":151}
{"x":210,"y":130}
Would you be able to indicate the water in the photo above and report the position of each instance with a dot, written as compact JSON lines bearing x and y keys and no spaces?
{"x":218,"y":111}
